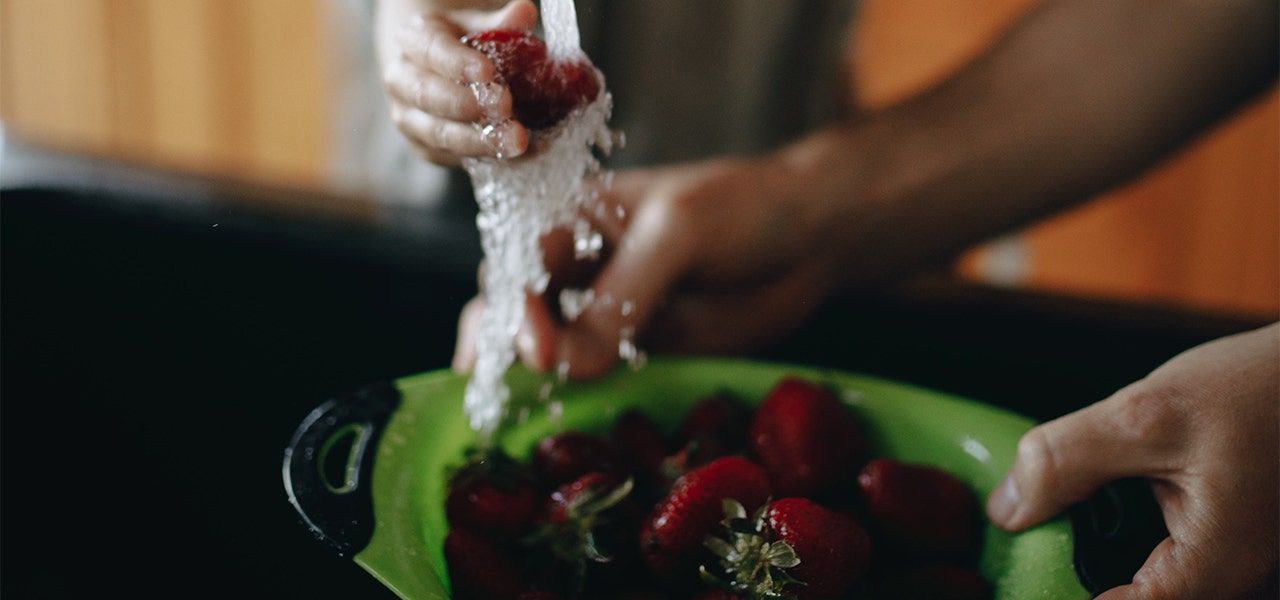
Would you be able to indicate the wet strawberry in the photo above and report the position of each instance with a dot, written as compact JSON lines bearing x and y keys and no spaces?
{"x":494,"y":495}
{"x":935,"y":582}
{"x":543,"y":90}
{"x":834,"y":550}
{"x":673,"y":534}
{"x":805,"y":438}
{"x":578,"y":511}
{"x":921,"y":511}
{"x":563,"y":457}
{"x":479,"y":568}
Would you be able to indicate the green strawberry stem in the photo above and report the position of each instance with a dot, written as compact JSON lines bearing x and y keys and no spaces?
{"x":756,"y":567}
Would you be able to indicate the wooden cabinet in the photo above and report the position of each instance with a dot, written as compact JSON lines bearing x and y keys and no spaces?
{"x":228,"y":87}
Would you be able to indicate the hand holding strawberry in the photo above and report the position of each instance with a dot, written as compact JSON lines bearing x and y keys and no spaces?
{"x":428,"y":74}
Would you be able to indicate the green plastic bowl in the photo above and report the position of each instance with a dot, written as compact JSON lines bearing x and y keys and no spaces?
{"x":394,"y":525}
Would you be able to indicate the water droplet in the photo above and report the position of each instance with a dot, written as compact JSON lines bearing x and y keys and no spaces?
{"x":574,"y":302}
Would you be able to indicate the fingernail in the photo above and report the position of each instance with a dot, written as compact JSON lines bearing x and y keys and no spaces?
{"x":501,"y":138}
{"x":474,"y":72}
{"x":1003,"y":502}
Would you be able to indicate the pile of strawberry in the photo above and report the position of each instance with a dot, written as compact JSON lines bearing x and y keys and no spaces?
{"x":781,"y":501}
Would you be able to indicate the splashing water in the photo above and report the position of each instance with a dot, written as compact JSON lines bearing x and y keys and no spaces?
{"x":560,"y":22}
{"x":520,"y":201}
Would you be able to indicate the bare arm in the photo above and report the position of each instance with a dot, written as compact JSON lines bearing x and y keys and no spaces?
{"x":1077,"y":97}
{"x":1080,"y":95}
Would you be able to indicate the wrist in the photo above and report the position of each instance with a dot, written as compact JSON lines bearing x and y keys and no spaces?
{"x":840,"y":180}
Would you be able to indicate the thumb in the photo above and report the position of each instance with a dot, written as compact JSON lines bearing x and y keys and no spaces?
{"x":1064,"y":461}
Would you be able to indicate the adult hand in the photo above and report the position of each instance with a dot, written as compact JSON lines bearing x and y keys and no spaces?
{"x":715,"y":256}
{"x":1203,"y":428}
{"x":429,"y":76}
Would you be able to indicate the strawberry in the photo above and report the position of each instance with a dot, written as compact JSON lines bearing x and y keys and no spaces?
{"x":575,"y":510}
{"x":590,"y":529}
{"x":641,"y":442}
{"x":935,"y":582}
{"x":563,"y":457}
{"x":479,"y":568}
{"x":717,"y":425}
{"x":792,"y":548}
{"x":834,"y":550}
{"x":543,"y":91}
{"x":806,"y":438}
{"x":492,"y":494}
{"x":921,"y":511}
{"x":672,"y":536}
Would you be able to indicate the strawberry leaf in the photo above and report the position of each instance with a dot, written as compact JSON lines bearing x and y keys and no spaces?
{"x":733,"y":509}
{"x":781,"y":555}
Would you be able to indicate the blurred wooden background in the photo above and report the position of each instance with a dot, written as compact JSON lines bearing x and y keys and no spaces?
{"x":235,"y":87}
{"x":243,"y":88}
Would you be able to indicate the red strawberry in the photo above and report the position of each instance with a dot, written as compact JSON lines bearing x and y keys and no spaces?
{"x":806,"y":438}
{"x":543,"y":91}
{"x":834,"y":550}
{"x":642,"y":444}
{"x":920,"y":510}
{"x":935,"y":582}
{"x":492,"y":494}
{"x":577,"y":508}
{"x":793,"y":548}
{"x":563,"y":457}
{"x":717,"y":425}
{"x":673,"y":534}
{"x":479,"y":568}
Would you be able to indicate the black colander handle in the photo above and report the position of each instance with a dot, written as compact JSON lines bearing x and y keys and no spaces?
{"x":328,"y":465}
{"x":1114,"y":532}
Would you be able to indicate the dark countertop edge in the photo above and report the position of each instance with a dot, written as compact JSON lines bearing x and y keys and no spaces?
{"x":354,"y":227}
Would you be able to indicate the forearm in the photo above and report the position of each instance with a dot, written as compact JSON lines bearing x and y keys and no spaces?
{"x":1077,"y":97}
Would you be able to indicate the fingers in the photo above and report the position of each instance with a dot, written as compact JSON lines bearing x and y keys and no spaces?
{"x":1064,"y":461}
{"x":434,"y":41}
{"x":444,"y":95}
{"x":534,"y":339}
{"x":645,"y":264}
{"x":1191,"y":568}
{"x":464,"y":351}
{"x":444,"y":141}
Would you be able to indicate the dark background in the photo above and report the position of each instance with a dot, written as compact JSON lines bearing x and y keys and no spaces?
{"x":160,"y":344}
